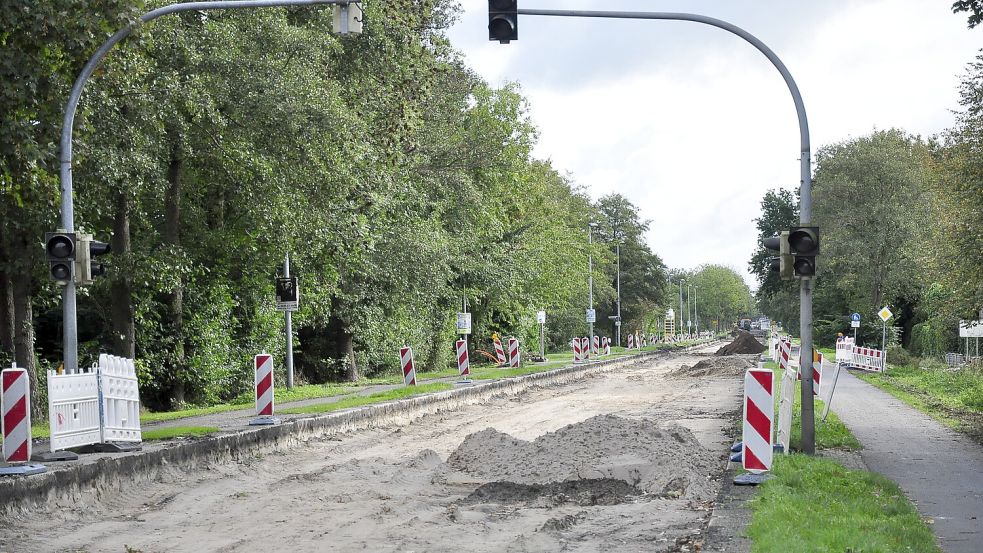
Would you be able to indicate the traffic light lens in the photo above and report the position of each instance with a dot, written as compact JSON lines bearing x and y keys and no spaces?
{"x":500,"y":28}
{"x":60,"y":247}
{"x":61,"y":271}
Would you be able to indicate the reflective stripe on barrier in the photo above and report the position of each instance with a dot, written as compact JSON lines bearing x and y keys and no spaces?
{"x":15,"y":395}
{"x":406,"y":361}
{"x":759,"y":410}
{"x":463,"y":363}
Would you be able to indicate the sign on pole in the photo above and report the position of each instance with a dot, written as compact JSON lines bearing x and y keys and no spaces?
{"x":855,"y":320}
{"x":885,"y":314}
{"x":287,"y":294}
{"x":464,"y":323}
{"x":541,"y":317}
{"x":591,"y":316}
{"x":971,"y":329}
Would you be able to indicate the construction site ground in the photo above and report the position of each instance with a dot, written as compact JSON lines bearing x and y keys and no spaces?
{"x":625,"y":460}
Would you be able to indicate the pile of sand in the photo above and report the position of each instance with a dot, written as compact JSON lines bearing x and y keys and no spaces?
{"x":664,"y":460}
{"x":730,"y":365}
{"x":743,"y":343}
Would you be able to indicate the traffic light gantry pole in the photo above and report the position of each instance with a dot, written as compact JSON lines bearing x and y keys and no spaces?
{"x":67,"y":203}
{"x":503,"y":26}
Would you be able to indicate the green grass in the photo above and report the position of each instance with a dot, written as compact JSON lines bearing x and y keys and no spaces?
{"x":378,"y":397}
{"x":831,"y":434}
{"x":953,"y":397}
{"x":177,"y":432}
{"x":816,"y":505}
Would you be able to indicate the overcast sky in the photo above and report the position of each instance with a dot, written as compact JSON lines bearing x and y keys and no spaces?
{"x":693,"y":124}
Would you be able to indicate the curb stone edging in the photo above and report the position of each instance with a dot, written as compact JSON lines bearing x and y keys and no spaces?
{"x":113,"y":473}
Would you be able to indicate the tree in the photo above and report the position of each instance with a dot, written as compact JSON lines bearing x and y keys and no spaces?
{"x":722,"y":295}
{"x":776,"y":298}
{"x":975,"y":7}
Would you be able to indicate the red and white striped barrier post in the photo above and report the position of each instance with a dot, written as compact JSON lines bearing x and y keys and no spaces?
{"x":514,"y":361}
{"x":263,"y":364}
{"x":759,"y":411}
{"x":604,"y":345}
{"x":577,"y":355}
{"x":631,"y":341}
{"x":585,"y":348}
{"x":15,"y":395}
{"x":594,"y":349}
{"x":784,"y":352}
{"x":817,"y":371}
{"x":500,"y":352}
{"x":463,"y":363}
{"x":16,"y":416}
{"x":406,"y":361}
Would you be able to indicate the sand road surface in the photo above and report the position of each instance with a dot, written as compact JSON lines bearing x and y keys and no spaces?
{"x":628,"y":460}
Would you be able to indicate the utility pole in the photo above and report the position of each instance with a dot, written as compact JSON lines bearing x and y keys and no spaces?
{"x":679,"y":330}
{"x":689,"y":312}
{"x":290,"y":330}
{"x":617,"y":324}
{"x":696,"y":314}
{"x":590,"y":282}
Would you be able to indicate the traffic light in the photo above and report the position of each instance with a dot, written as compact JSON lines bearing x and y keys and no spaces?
{"x":804,"y":245}
{"x":782,"y":263}
{"x":85,"y":268}
{"x":503,"y":21}
{"x":59,"y":248}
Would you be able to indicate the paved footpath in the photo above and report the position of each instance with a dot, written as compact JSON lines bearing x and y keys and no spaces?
{"x":938,"y":468}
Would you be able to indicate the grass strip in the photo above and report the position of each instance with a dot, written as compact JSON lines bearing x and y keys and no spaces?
{"x":378,"y":397}
{"x":816,"y":505}
{"x":177,"y":432}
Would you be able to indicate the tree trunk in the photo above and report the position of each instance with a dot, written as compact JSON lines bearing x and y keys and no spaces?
{"x":346,"y":344}
{"x":121,"y":298}
{"x":6,"y":311}
{"x":24,"y":334}
{"x":172,"y":236}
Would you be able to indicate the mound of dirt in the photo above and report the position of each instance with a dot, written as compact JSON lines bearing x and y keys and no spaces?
{"x":666,"y":461}
{"x":730,"y":365}
{"x":743,"y":343}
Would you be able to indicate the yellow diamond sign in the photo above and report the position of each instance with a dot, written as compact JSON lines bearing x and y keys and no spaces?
{"x":885,"y":314}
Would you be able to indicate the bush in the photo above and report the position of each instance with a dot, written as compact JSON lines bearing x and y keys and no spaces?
{"x":932,"y":338}
{"x":897,"y":355}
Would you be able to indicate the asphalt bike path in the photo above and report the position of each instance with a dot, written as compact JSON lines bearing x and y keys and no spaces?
{"x":939,"y":469}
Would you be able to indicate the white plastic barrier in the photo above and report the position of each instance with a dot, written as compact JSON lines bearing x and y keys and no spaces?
{"x":868,"y":359}
{"x":73,"y":409}
{"x":98,"y":406}
{"x":844,"y":350}
{"x":120,"y":399}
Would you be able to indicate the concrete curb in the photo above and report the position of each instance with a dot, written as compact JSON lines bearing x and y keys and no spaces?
{"x":113,"y":473}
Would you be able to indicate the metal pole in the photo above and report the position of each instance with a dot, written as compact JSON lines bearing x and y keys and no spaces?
{"x":696,"y":314}
{"x":70,"y":338}
{"x":542,"y":340}
{"x":617,"y":247}
{"x":805,"y":183}
{"x":590,"y":283}
{"x":290,"y":330}
{"x":689,"y":312}
{"x":680,"y":329}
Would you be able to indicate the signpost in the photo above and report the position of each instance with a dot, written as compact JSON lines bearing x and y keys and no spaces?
{"x":855,"y":324}
{"x":541,"y":319}
{"x":884,"y":314}
{"x":288,"y":300}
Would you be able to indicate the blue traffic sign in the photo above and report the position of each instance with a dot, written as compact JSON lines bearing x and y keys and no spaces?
{"x":855,"y":317}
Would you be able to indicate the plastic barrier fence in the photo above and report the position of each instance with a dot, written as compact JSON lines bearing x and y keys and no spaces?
{"x":73,"y":409}
{"x":844,"y":350}
{"x":120,"y":399}
{"x":868,"y":359}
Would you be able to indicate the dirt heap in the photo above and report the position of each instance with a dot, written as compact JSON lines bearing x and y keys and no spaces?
{"x":664,"y":460}
{"x":729,"y":365}
{"x":743,"y":343}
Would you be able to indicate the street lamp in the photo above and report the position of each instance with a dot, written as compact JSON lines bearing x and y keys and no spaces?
{"x":689,"y":312}
{"x":679,"y":330}
{"x":617,"y":324}
{"x":590,"y":282}
{"x":696,"y":314}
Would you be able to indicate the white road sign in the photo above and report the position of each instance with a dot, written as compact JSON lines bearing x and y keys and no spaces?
{"x":541,"y":317}
{"x":971,"y":329}
{"x":591,"y":315}
{"x":464,"y":323}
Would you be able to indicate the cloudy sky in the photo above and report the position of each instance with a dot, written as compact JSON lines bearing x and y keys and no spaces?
{"x":693,"y":124}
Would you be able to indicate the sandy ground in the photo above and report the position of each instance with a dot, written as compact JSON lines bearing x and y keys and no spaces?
{"x":553,"y":476}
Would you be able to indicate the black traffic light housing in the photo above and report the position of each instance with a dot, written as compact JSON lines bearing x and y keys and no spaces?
{"x":804,"y":244}
{"x":59,"y":248}
{"x":782,"y":263}
{"x":86,"y":269}
{"x":503,"y":20}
